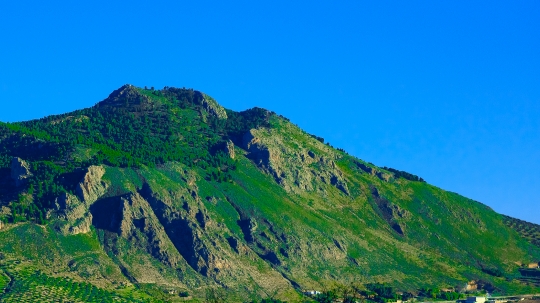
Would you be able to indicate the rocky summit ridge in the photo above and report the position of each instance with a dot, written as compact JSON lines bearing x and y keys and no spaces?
{"x":167,"y":190}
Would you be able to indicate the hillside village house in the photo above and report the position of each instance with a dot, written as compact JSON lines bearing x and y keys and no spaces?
{"x":534,"y":265}
{"x":475,"y":300}
{"x":311,"y":292}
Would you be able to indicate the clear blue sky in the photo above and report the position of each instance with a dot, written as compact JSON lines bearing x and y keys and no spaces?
{"x":447,"y":90}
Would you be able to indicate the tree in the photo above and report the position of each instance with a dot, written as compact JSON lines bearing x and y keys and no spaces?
{"x":326,"y":297}
{"x":214,"y":295}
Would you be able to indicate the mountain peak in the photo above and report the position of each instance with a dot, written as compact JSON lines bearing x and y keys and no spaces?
{"x":125,"y":95}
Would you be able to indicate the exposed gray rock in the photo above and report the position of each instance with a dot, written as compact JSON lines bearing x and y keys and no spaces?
{"x":82,"y":226}
{"x":20,"y":171}
{"x":297,"y":169}
{"x":229,"y":149}
{"x":75,"y":210}
{"x":138,"y":219}
{"x":213,"y":108}
{"x":74,"y":213}
{"x":91,"y":186}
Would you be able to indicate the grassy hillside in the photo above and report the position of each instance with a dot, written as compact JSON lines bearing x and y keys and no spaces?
{"x":150,"y":194}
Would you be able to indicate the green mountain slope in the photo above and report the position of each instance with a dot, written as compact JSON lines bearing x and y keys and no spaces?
{"x":158,"y":192}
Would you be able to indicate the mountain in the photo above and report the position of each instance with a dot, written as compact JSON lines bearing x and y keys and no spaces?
{"x":154,"y":193}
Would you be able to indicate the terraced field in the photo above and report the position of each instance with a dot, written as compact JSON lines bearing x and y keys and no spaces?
{"x":527,"y":230}
{"x":4,"y":282}
{"x":29,"y":285}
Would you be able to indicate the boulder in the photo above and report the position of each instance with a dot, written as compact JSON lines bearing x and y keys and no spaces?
{"x":20,"y":171}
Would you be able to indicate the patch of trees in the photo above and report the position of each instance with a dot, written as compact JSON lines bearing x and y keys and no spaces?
{"x":380,"y":292}
{"x":5,"y":161}
{"x":493,"y":271}
{"x":404,"y":174}
{"x":238,"y":123}
{"x":437,"y":293}
{"x":342,"y":150}
{"x":143,"y":129}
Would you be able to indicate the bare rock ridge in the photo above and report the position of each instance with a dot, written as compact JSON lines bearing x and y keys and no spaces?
{"x":74,"y":209}
{"x":20,"y":171}
{"x":126,"y":95}
{"x":91,"y":186}
{"x":296,"y":170}
{"x":213,"y":108}
{"x":135,"y":218}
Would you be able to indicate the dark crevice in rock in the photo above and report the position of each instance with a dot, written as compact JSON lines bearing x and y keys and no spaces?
{"x":386,"y":211}
{"x":245,"y":223}
{"x":233,"y":243}
{"x":201,"y":219}
{"x":181,"y":231}
{"x":293,"y":283}
{"x":271,"y":257}
{"x":106,"y":213}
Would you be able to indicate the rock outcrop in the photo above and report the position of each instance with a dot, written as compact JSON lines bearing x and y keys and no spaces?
{"x":213,"y":108}
{"x":74,"y":210}
{"x":374,"y":172}
{"x":20,"y":171}
{"x":91,"y":186}
{"x":76,"y":218}
{"x":296,"y":168}
{"x":229,"y":149}
{"x":137,"y":219}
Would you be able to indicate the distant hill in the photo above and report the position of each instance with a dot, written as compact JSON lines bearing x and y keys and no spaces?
{"x":150,"y":194}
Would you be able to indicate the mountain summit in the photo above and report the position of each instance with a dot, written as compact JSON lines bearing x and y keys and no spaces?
{"x":167,"y":191}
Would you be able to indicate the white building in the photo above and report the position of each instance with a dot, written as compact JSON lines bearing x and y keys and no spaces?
{"x":476,"y":300}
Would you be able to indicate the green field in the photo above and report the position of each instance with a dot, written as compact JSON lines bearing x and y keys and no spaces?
{"x":30,"y":285}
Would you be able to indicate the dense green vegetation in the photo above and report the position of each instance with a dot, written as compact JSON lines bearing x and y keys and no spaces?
{"x":132,"y":128}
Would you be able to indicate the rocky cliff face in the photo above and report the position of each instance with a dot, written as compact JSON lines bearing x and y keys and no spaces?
{"x":91,"y":186}
{"x":302,"y":167}
{"x":20,"y":171}
{"x":213,"y":108}
{"x":74,"y":210}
